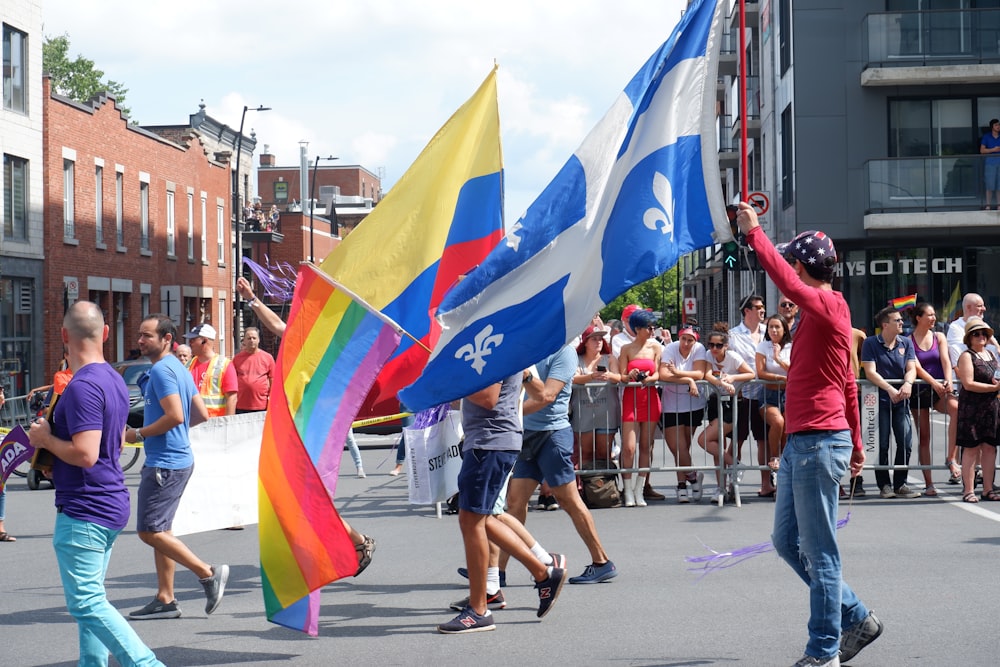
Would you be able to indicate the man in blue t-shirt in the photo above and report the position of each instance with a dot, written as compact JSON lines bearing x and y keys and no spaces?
{"x":890,"y":356}
{"x":92,"y":502}
{"x":173,"y":405}
{"x":547,"y":454}
{"x":990,"y":145}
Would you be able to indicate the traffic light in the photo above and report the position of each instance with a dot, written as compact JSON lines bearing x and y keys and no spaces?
{"x":731,"y":255}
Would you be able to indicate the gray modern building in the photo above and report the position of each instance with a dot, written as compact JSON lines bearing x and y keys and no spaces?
{"x":864,"y":120}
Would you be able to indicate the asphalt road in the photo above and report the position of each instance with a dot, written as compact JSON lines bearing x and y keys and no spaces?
{"x":926,"y":566}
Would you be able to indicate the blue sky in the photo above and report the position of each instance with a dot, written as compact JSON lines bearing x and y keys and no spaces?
{"x":371,"y":82}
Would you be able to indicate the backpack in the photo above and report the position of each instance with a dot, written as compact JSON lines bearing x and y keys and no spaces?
{"x":600,"y":490}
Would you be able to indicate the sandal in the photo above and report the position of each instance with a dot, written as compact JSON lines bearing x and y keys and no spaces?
{"x":6,"y":537}
{"x":365,"y":551}
{"x":930,"y":491}
{"x":991,"y":495}
{"x":970,"y":497}
{"x":956,"y":472}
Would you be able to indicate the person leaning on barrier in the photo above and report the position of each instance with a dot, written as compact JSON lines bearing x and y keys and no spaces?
{"x":978,"y":409}
{"x":595,"y":411}
{"x":743,"y":340}
{"x":683,"y":407}
{"x":639,"y":360}
{"x":889,"y":356}
{"x":772,"y":361}
{"x":933,"y":367}
{"x":726,"y":372}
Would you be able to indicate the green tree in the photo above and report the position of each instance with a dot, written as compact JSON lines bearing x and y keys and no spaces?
{"x":77,"y":79}
{"x":658,"y":293}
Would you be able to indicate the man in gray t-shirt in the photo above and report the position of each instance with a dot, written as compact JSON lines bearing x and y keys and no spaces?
{"x":492,"y":443}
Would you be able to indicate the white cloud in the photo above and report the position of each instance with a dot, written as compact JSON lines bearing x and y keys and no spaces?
{"x":371,"y":82}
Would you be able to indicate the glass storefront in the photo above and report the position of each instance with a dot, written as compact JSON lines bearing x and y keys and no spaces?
{"x":869,"y":279}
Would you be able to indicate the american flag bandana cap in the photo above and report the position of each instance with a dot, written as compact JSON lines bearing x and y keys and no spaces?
{"x":812,"y":248}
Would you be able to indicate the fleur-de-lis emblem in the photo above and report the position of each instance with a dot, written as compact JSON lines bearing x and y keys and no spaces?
{"x":484,"y":343}
{"x":662,"y":218}
{"x":513,"y":240}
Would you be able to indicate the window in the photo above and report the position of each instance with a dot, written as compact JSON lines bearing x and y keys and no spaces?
{"x":15,"y":58}
{"x":15,"y":198}
{"x":204,"y":227}
{"x":171,"y":241}
{"x":99,"y":203}
{"x":922,"y":128}
{"x":144,"y":216}
{"x":190,"y":227}
{"x":220,"y":225}
{"x":119,"y":208}
{"x":785,"y":34}
{"x":69,"y":223}
{"x":787,"y":151}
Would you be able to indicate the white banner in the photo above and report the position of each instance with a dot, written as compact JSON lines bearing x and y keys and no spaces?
{"x":433,"y":460}
{"x":223,"y":489}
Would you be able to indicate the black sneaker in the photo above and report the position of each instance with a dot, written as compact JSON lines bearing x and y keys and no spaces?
{"x":495,"y":601}
{"x":858,"y":636}
{"x":468,"y":621}
{"x":464,"y":573}
{"x":548,"y":590}
{"x":215,"y":587}
{"x":156,"y":609}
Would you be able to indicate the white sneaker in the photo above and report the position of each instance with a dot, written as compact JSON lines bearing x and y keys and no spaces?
{"x":696,"y":486}
{"x":361,"y":473}
{"x":682,"y":495}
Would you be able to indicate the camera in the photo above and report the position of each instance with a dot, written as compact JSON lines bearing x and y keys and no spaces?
{"x":641,"y":376}
{"x":602,"y":368}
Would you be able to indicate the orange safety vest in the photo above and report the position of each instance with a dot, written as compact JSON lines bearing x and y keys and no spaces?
{"x":211,"y":385}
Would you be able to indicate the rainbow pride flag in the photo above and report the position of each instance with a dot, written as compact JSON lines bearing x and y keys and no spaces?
{"x":330,"y":355}
{"x":902,"y":302}
{"x":440,"y":220}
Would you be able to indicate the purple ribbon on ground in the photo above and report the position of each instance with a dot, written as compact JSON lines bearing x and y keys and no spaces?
{"x":721,"y":561}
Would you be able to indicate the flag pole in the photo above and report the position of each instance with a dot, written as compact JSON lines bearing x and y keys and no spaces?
{"x":364,"y":304}
{"x":744,"y":112}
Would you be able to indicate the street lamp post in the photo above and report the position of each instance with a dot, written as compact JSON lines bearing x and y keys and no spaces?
{"x":312,"y":204}
{"x":238,"y":216}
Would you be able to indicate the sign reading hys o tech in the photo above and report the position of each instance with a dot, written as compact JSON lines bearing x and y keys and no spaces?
{"x":904,"y":266}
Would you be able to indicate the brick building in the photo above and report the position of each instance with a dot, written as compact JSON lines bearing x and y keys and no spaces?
{"x":135,"y":222}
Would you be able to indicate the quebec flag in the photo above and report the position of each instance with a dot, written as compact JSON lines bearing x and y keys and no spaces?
{"x":643,"y":189}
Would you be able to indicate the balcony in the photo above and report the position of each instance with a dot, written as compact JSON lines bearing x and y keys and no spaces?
{"x":927,"y":193}
{"x":753,"y":107}
{"x":729,"y":149}
{"x":931,"y":47}
{"x":752,"y":12}
{"x":728,"y":62}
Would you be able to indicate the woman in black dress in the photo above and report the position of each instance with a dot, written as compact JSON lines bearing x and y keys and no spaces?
{"x":978,"y":409}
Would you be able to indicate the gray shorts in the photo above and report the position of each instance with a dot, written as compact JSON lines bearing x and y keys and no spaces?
{"x":160,"y":491}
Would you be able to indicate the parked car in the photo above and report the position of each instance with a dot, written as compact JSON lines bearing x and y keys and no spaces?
{"x":131,"y":371}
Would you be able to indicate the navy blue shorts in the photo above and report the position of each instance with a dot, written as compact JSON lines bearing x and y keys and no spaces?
{"x":482,"y":478}
{"x":553,"y":463}
{"x":160,"y":491}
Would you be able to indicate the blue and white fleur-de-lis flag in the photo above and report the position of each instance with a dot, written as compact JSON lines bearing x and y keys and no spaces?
{"x":642,"y":189}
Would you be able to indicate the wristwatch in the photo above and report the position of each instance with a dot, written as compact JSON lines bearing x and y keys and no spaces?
{"x":529,"y":378}
{"x":254,"y":302}
{"x":138,"y":435}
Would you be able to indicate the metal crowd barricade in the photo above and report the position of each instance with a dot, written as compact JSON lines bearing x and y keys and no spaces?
{"x":15,"y":411}
{"x":600,"y":455}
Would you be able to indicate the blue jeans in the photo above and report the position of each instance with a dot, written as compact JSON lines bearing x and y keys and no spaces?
{"x":83,"y":550}
{"x":352,"y":446}
{"x":805,"y":532}
{"x":897,"y":417}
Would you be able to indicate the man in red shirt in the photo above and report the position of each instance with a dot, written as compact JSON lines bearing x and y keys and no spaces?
{"x":824,"y":441}
{"x":254,"y":374}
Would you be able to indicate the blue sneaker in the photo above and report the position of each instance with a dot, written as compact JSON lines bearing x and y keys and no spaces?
{"x":595,"y":574}
{"x":464,"y":572}
{"x":548,"y":590}
{"x":468,"y":621}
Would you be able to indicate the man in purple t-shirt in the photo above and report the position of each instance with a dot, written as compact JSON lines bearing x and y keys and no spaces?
{"x":92,"y":502}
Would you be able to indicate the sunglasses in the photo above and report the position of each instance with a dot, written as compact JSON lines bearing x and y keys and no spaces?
{"x":978,"y":334}
{"x":716,"y":346}
{"x":786,"y":304}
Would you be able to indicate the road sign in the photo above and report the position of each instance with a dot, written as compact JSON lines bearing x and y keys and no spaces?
{"x":759,"y":202}
{"x":690,"y":306}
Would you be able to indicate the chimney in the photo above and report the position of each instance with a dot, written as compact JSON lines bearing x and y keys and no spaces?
{"x":267,"y":158}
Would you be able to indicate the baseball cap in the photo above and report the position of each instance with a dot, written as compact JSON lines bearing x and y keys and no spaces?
{"x":203,"y":330}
